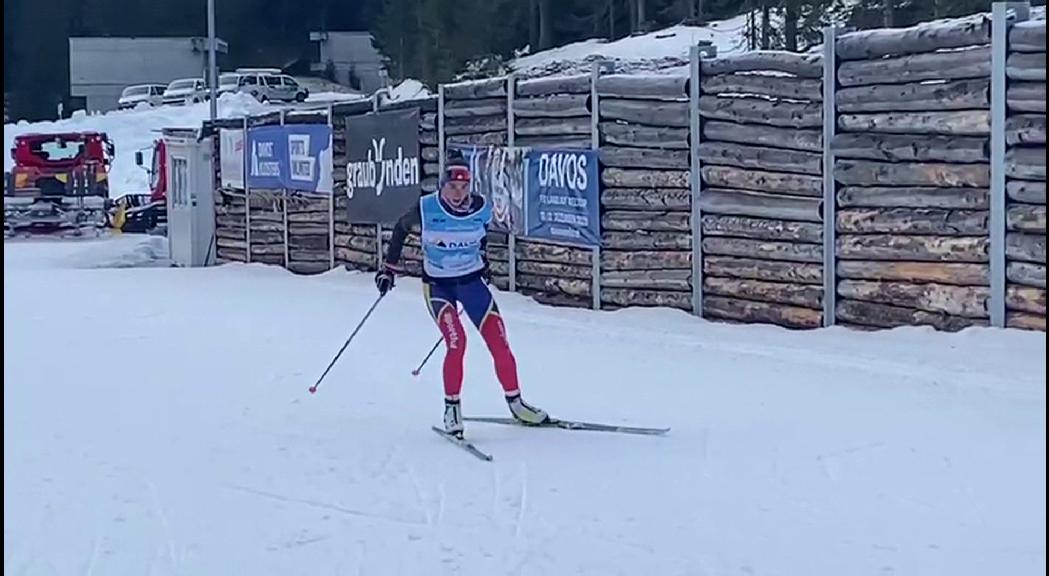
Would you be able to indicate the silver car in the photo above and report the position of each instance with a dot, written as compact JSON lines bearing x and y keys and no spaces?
{"x":186,"y":91}
{"x":152,"y":94}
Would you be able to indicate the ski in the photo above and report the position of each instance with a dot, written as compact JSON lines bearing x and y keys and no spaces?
{"x":571,"y":425}
{"x":464,"y":444}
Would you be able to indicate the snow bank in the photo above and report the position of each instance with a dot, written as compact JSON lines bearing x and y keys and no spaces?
{"x":409,"y":89}
{"x":132,"y":130}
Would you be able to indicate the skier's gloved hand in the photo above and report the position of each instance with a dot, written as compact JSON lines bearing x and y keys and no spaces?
{"x":384,"y":280}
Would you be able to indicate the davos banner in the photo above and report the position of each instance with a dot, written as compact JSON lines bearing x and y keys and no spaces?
{"x":293,"y":157}
{"x":383,"y":172}
{"x":498,"y":174}
{"x":563,"y":196}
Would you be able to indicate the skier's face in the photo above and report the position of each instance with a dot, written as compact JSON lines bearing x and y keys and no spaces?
{"x":455,"y":192}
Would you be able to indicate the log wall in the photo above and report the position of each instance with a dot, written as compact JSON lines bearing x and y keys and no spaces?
{"x":912,"y":170}
{"x":761,"y":159}
{"x":1025,"y":178}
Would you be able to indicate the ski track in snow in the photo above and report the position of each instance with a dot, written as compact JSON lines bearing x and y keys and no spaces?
{"x":157,"y":422}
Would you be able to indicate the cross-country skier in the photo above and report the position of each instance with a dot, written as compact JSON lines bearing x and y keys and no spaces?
{"x":454,"y":226}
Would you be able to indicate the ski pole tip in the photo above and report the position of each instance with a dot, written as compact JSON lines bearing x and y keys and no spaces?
{"x":313,"y":389}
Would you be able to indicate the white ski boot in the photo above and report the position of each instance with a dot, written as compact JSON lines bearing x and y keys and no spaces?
{"x":453,"y":417}
{"x":525,"y":413}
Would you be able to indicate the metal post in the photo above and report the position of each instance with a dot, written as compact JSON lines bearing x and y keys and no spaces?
{"x":511,"y":238}
{"x":284,"y":211}
{"x":247,"y":191}
{"x":695,"y":180}
{"x":213,"y":78}
{"x":440,"y":128}
{"x":331,"y":198}
{"x":830,"y":119}
{"x":595,"y":144}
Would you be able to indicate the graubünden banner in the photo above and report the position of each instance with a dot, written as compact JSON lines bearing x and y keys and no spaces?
{"x":383,"y":172}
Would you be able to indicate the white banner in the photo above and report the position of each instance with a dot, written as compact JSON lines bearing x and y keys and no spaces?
{"x":231,"y":158}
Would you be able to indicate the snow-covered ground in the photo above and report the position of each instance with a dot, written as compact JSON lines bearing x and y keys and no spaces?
{"x":157,"y":421}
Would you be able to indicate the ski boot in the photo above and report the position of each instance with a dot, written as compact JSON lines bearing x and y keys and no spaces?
{"x":525,"y":413}
{"x":453,"y":417}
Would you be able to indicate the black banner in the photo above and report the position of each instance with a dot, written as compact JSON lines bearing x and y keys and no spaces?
{"x":383,"y":171}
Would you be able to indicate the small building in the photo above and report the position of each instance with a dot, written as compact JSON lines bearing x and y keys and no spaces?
{"x":101,"y":67}
{"x":350,"y":58}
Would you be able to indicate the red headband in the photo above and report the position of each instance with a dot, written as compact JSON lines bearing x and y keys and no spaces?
{"x":459,"y":173}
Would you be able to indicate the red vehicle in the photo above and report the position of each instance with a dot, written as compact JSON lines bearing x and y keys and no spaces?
{"x":146,"y":212}
{"x":60,"y":183}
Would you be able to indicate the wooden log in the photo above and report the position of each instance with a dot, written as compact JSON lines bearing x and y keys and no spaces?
{"x":554,"y":269}
{"x":760,"y":157}
{"x":803,"y":65}
{"x":431,"y":168}
{"x":623,"y":157}
{"x":1025,"y":321}
{"x":1026,"y":66}
{"x":645,"y":240}
{"x":923,"y":37}
{"x":569,"y":141}
{"x":763,"y":249}
{"x":426,"y":138}
{"x":475,"y":108}
{"x":430,"y":154}
{"x":556,"y":299}
{"x":1025,"y":163}
{"x":646,"y":112}
{"x":569,"y":286}
{"x":267,"y":237}
{"x":474,"y":89}
{"x":761,"y":228}
{"x":887,"y":316}
{"x":499,"y":268}
{"x":644,"y":136}
{"x":222,"y":220}
{"x":776,"y":137}
{"x":1026,"y":218}
{"x":553,"y":106}
{"x":910,"y":148}
{"x":231,"y":243}
{"x":939,"y":272}
{"x":627,"y":221}
{"x":648,"y":298}
{"x":308,"y":229}
{"x":720,"y":307}
{"x":973,"y":63}
{"x":579,"y":126}
{"x":361,"y":243}
{"x":308,"y":267}
{"x":574,"y":84}
{"x":231,"y":255}
{"x":646,"y":260}
{"x":268,"y":249}
{"x":759,"y":205}
{"x":1026,"y":273}
{"x":1027,"y":36}
{"x":1025,"y":247}
{"x":316,"y":243}
{"x":914,"y":248}
{"x":968,"y":94}
{"x":456,"y":126}
{"x":231,"y":232}
{"x":775,"y":86}
{"x":542,"y":252}
{"x":428,"y":121}
{"x":308,"y":255}
{"x":954,"y":123}
{"x":759,"y":111}
{"x":805,"y":295}
{"x":1025,"y":129}
{"x":643,"y":86}
{"x":307,"y":217}
{"x":939,"y":221}
{"x":913,"y":197}
{"x":1025,"y":299}
{"x":676,"y":199}
{"x":355,"y":256}
{"x":623,"y":178}
{"x":1026,"y":96}
{"x":967,"y":301}
{"x":769,"y":182}
{"x":486,"y":139}
{"x":870,"y":173}
{"x":655,"y":279}
{"x":767,"y":270}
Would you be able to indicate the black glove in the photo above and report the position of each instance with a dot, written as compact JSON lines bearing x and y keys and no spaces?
{"x":384,"y":280}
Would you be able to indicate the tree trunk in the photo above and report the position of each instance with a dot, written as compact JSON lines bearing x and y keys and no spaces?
{"x":790,"y":138}
{"x":957,"y":95}
{"x":866,"y":172}
{"x":1025,"y":129}
{"x":676,"y":199}
{"x":775,"y":86}
{"x":647,"y":112}
{"x":646,"y":260}
{"x":790,"y":25}
{"x":647,"y":279}
{"x":761,"y":312}
{"x":1025,"y":247}
{"x":802,"y":65}
{"x":1025,"y":163}
{"x":1026,"y":96}
{"x":624,"y":178}
{"x":726,"y":266}
{"x":766,"y":26}
{"x":974,"y":63}
{"x":1025,"y":321}
{"x":1026,"y":273}
{"x":909,"y":148}
{"x":554,"y":85}
{"x":1025,"y":299}
{"x":761,"y":111}
{"x":638,"y":297}
{"x":552,"y":106}
{"x":936,"y":221}
{"x":769,"y":182}
{"x":761,"y":228}
{"x":924,"y":37}
{"x":546,"y":36}
{"x":1026,"y":191}
{"x":1026,"y":218}
{"x":623,"y":157}
{"x":644,"y":86}
{"x":968,"y":301}
{"x":760,"y":158}
{"x":805,"y":295}
{"x":759,"y":205}
{"x":913,"y":197}
{"x":1027,"y":36}
{"x":1026,"y":66}
{"x":763,"y":249}
{"x":887,"y":316}
{"x":914,"y":248}
{"x":645,"y":240}
{"x":644,"y":136}
{"x":629,"y":221}
{"x":940,"y":272}
{"x":954,"y":123}
{"x":888,"y":18}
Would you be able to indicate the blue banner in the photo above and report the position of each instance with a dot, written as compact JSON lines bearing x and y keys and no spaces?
{"x":295,"y":157}
{"x":562,"y":196}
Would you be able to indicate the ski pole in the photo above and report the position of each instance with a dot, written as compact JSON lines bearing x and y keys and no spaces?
{"x":419,"y":368}
{"x":313,"y":389}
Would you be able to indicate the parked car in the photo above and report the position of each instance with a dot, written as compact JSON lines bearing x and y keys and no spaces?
{"x":152,"y":94}
{"x":264,"y":84}
{"x":186,"y":91}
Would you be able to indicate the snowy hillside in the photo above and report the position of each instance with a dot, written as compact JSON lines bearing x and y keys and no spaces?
{"x":173,"y":434}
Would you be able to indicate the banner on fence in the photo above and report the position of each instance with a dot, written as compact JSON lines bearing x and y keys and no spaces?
{"x":383,"y":176}
{"x":562,"y":200}
{"x":231,"y":158}
{"x":498,"y":174}
{"x":296,"y":157}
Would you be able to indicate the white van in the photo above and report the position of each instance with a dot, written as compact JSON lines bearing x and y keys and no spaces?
{"x":186,"y":91}
{"x":265,"y":84}
{"x":152,"y":94}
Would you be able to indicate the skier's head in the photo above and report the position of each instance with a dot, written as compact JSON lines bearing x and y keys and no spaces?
{"x":455,"y":186}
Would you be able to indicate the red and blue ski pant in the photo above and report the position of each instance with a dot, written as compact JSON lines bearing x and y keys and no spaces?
{"x":443,"y":298}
